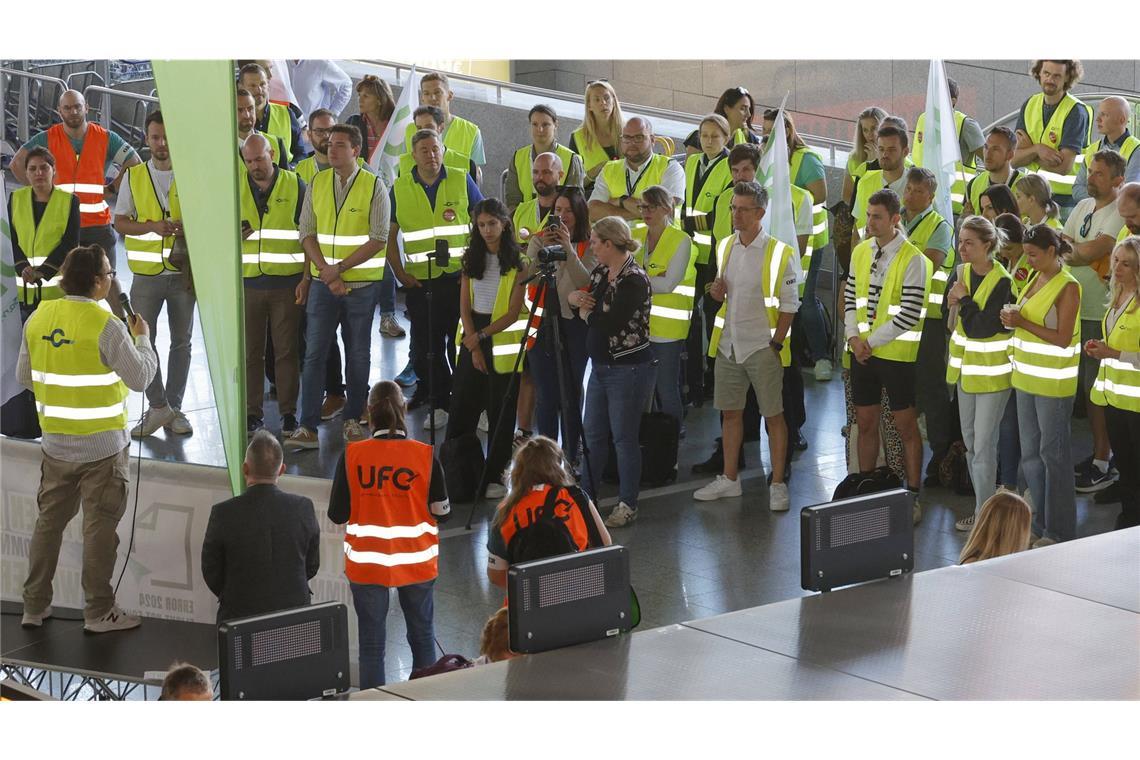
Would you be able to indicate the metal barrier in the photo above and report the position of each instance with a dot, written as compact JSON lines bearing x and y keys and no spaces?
{"x":30,"y":94}
{"x":132,"y":130}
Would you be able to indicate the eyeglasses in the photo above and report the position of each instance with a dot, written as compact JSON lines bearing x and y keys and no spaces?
{"x":634,"y":138}
{"x":320,"y":131}
{"x":597,"y":81}
{"x":109,"y":273}
{"x":643,"y":207}
{"x":1086,"y":225}
{"x":875,"y":262}
{"x":734,"y":208}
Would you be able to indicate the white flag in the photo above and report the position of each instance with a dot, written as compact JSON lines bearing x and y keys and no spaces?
{"x":386,"y":157}
{"x":940,"y":153}
{"x":9,"y":307}
{"x":778,"y":221}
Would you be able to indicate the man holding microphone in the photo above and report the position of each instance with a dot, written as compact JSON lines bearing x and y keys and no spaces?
{"x":80,"y":360}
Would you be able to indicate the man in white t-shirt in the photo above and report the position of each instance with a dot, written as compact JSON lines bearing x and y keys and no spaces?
{"x":1092,"y":229}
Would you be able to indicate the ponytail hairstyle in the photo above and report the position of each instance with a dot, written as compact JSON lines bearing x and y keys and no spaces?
{"x":1036,"y":187}
{"x":1045,"y":237}
{"x":616,"y":230}
{"x":989,"y":233}
{"x":386,"y":407}
{"x":537,"y":462}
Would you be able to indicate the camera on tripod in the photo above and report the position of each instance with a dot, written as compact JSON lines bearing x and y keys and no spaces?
{"x":551,"y":254}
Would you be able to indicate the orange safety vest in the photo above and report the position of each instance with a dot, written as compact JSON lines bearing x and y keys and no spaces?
{"x":82,"y":174}
{"x":526,"y":512}
{"x":391,"y":538}
{"x":531,"y":291}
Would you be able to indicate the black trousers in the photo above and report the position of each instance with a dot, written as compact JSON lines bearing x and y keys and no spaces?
{"x":445,"y":319}
{"x":700,"y":331}
{"x":1124,"y":436}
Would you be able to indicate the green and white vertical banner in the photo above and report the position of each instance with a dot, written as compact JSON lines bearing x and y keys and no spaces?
{"x":940,"y":152}
{"x":776,"y":169}
{"x":9,"y":305}
{"x":197,"y":100}
{"x":385,"y":159}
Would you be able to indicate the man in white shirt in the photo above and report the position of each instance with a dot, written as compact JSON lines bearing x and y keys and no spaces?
{"x":638,"y":164}
{"x":320,"y":84}
{"x":1092,"y":229}
{"x":749,"y":346}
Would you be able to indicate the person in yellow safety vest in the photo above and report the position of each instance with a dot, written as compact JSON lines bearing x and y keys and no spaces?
{"x":1112,"y":116}
{"x":148,"y":217}
{"x":618,"y":189}
{"x":544,"y":139}
{"x":757,"y":286}
{"x":273,"y":266}
{"x":321,"y":122}
{"x":458,"y":134}
{"x":1128,"y":206}
{"x":430,"y":117}
{"x":272,"y":118}
{"x":970,"y":144}
{"x":1053,"y":128}
{"x":80,"y":362}
{"x":493,"y":320}
{"x":666,"y":255}
{"x":997,"y":169}
{"x":431,"y":208}
{"x":1117,"y":386}
{"x":707,"y":175}
{"x":927,"y":231}
{"x":532,"y":215}
{"x":864,"y":153}
{"x":1035,"y":203}
{"x":598,"y":140}
{"x":885,"y":301}
{"x":45,"y":226}
{"x":979,"y":363}
{"x":736,"y":106}
{"x":246,"y":126}
{"x":1044,"y":353}
{"x":343,"y":229}
{"x":894,"y":152}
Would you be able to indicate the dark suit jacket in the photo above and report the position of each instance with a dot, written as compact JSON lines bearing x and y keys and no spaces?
{"x":260,"y":550}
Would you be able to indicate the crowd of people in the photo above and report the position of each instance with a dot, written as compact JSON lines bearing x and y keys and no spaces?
{"x":657,"y":272}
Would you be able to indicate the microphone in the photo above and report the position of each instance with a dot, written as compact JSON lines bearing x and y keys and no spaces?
{"x":442,"y":253}
{"x":125,"y":302}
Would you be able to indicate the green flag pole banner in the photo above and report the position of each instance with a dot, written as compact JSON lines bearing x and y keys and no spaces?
{"x":197,"y":99}
{"x":940,"y":153}
{"x":778,"y":221}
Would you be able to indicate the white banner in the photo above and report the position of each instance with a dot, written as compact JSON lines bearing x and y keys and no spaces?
{"x":10,"y":328}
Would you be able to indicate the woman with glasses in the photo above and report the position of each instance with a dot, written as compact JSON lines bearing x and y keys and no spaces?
{"x":738,"y":109}
{"x":666,"y":256}
{"x":1044,"y":352}
{"x":543,"y":139}
{"x":598,"y":140}
{"x":1117,"y":387}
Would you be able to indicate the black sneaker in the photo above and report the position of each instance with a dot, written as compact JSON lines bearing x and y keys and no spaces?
{"x":252,"y":424}
{"x":1094,"y":480}
{"x":1110,"y":495}
{"x":799,"y":443}
{"x":1083,"y":466}
{"x":288,"y":424}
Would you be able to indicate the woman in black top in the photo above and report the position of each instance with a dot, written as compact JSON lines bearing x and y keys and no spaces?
{"x":616,"y":309}
{"x":735,"y":105}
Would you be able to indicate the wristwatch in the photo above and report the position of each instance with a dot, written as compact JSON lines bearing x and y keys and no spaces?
{"x":776,"y":344}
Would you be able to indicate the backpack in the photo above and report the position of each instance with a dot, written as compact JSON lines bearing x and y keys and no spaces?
{"x":858,"y":483}
{"x":462,"y":461}
{"x":547,"y":536}
{"x":953,"y":470}
{"x":445,"y":664}
{"x":801,"y":348}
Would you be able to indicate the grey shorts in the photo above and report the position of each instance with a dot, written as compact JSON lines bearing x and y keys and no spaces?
{"x":762,"y":370}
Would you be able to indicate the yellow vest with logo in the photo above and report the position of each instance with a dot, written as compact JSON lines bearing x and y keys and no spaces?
{"x":274,"y":248}
{"x":523,"y":163}
{"x":701,"y":201}
{"x":615,"y":176}
{"x":341,"y":231}
{"x":1126,"y":149}
{"x":1050,"y":134}
{"x":918,"y":238}
{"x":904,"y":348}
{"x":1041,"y":368}
{"x":777,"y":259}
{"x":459,"y":135}
{"x":669,"y":313}
{"x":149,"y":253}
{"x":39,"y":240}
{"x":76,"y":393}
{"x":982,"y":363}
{"x":963,"y":172}
{"x":819,"y":232}
{"x":421,"y":225}
{"x":1118,"y":382}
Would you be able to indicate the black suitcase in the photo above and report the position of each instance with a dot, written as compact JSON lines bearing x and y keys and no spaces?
{"x":660,"y":436}
{"x":462,"y":461}
{"x":18,"y":417}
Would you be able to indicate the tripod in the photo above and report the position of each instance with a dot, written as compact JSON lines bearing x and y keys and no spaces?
{"x":442,"y":257}
{"x":546,"y":274}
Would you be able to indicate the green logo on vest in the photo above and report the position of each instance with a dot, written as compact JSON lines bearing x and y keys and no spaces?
{"x":56,"y":338}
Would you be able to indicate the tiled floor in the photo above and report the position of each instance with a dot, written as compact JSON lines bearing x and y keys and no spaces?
{"x":689,"y":559}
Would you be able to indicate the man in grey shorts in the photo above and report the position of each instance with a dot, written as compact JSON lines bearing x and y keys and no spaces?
{"x":757,"y":285}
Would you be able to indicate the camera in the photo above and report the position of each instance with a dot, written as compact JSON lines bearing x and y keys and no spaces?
{"x":551,"y":253}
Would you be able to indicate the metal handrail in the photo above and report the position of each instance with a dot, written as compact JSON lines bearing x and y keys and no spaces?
{"x":105,"y":113}
{"x":25,"y":79}
{"x":1086,"y":96}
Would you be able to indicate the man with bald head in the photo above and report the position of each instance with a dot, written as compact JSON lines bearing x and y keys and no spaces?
{"x":621,"y":182}
{"x":1112,"y":125}
{"x":86,"y":155}
{"x":1128,"y":206}
{"x":273,"y":264}
{"x":532,"y":214}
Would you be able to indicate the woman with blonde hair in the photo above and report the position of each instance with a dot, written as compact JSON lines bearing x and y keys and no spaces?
{"x":543,"y":514}
{"x":495,"y":641}
{"x":598,"y":140}
{"x":1002,"y":528}
{"x":1035,"y":202}
{"x":1117,"y":386}
{"x":864,"y":155}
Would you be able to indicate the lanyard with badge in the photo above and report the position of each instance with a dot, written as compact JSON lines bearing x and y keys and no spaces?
{"x":629,"y":186}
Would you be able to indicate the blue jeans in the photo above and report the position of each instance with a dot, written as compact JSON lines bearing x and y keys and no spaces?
{"x":1047,"y":461}
{"x":981,"y":415}
{"x":615,"y":400}
{"x":387,"y":294}
{"x":814,"y":328}
{"x":1009,"y":447}
{"x":544,"y":370}
{"x":668,"y":357}
{"x":323,"y":312}
{"x":371,"y":604}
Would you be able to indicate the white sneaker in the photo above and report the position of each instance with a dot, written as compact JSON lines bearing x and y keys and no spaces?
{"x":917,"y":513}
{"x":1042,"y":542}
{"x":484,"y":425}
{"x":823,"y":370}
{"x":777,"y":497}
{"x":151,"y":421}
{"x":179,"y":425}
{"x":35,"y":621}
{"x":721,"y":488}
{"x":353,"y":432}
{"x":622,"y":515}
{"x":966,"y":524}
{"x":495,"y":491}
{"x":115,"y":620}
{"x":437,"y":421}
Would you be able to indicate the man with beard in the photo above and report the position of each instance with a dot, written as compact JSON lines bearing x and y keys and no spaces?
{"x":620,"y":184}
{"x":272,"y":118}
{"x":996,"y":156}
{"x":1128,"y":206}
{"x":246,"y":123}
{"x":1112,"y":125}
{"x":532,"y":214}
{"x":893,"y":145}
{"x":85,"y":155}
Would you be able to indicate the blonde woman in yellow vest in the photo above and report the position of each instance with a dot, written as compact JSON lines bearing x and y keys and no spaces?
{"x":493,"y":321}
{"x":598,"y":140}
{"x":1117,"y":386}
{"x":45,"y":226}
{"x":979,"y":364}
{"x":1044,"y":352}
{"x":666,"y":255}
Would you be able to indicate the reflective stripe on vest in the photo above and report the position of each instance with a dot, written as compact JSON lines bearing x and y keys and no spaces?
{"x":1118,"y":382}
{"x":819,"y":232}
{"x":982,"y":363}
{"x":716,"y":179}
{"x":1041,"y":368}
{"x":798,"y":195}
{"x":918,"y":237}
{"x":274,"y":246}
{"x":76,"y":393}
{"x":148,"y":253}
{"x":391,"y":538}
{"x":777,"y":258}
{"x":83,"y":174}
{"x":614,"y":174}
{"x":904,"y":347}
{"x":421,"y":225}
{"x":505,"y":343}
{"x":669,"y":313}
{"x":38,"y":240}
{"x":459,"y":135}
{"x":340,"y":231}
{"x":524,"y":162}
{"x":963,"y":173}
{"x":1050,"y":135}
